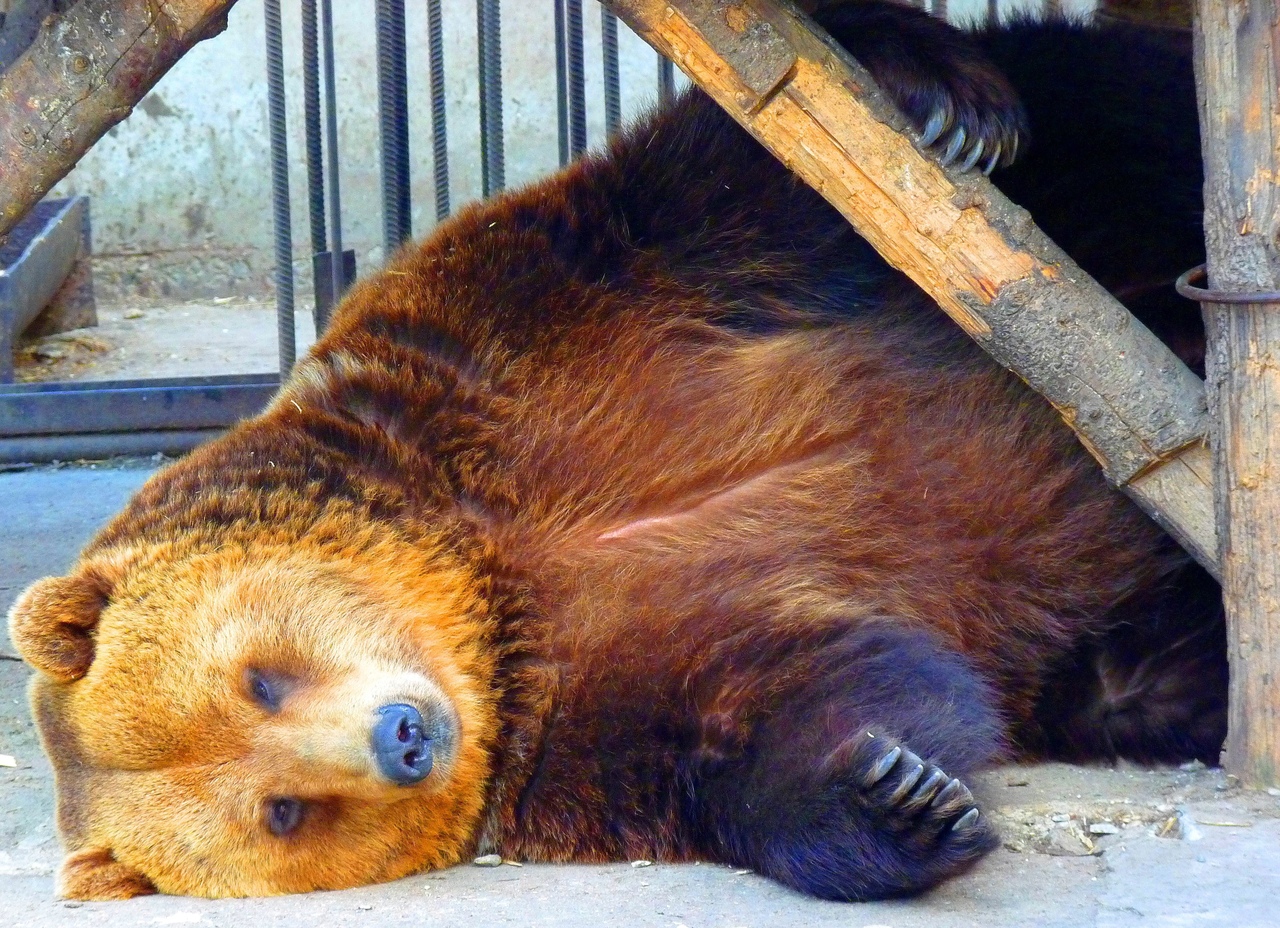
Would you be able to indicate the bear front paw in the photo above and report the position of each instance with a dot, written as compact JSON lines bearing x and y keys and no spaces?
{"x":965,"y":109}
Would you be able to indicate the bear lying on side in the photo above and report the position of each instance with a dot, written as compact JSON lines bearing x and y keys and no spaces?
{"x":646,"y":513}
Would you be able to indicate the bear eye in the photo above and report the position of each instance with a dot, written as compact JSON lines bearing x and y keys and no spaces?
{"x":264,"y":691}
{"x":284,"y":815}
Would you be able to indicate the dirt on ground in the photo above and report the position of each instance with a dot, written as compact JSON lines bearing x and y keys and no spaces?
{"x":227,"y":335}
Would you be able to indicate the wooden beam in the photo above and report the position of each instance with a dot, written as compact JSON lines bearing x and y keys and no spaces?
{"x":1133,"y":404}
{"x":1238,"y":74}
{"x":82,"y":75}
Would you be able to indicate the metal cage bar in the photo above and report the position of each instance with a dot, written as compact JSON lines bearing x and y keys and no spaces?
{"x":393,"y":112}
{"x":562,"y":77}
{"x":489,"y":42}
{"x":575,"y":78}
{"x":439,"y":134}
{"x":281,"y":217}
{"x":666,"y":80}
{"x":337,"y":260}
{"x":612,"y":78}
{"x":311,"y":119}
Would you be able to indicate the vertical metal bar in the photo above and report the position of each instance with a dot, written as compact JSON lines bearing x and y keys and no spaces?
{"x":490,"y":49}
{"x":666,"y":80}
{"x":939,"y":9}
{"x":393,"y":104}
{"x":336,"y":265}
{"x":280,"y":215}
{"x":562,"y":77}
{"x":311,"y":118}
{"x":612,"y":79}
{"x":482,"y":78}
{"x":577,"y":79}
{"x":993,"y":12}
{"x":439,"y":134}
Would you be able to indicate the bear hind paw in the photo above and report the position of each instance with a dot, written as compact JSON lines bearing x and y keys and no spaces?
{"x":901,"y":825}
{"x":910,"y":793}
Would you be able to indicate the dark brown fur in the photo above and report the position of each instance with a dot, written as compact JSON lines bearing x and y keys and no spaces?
{"x":744,"y":514}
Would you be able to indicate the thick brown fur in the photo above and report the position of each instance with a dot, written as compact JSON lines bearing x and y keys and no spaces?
{"x":681,"y":514}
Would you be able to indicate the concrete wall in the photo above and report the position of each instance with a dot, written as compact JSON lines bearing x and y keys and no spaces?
{"x":188,"y":172}
{"x":181,"y":189}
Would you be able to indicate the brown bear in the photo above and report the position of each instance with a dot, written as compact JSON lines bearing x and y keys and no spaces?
{"x":640,"y":513}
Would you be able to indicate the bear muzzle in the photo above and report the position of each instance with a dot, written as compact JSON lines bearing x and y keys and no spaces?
{"x":401,"y":745}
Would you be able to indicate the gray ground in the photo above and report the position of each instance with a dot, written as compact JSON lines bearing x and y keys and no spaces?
{"x":1082,"y":847}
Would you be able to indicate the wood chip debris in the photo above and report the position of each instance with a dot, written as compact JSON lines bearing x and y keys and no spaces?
{"x":7,"y":760}
{"x":1201,"y":821}
{"x":488,"y":860}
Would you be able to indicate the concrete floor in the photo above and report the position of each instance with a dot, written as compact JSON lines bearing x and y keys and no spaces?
{"x":1107,"y":848}
{"x":200,"y":338}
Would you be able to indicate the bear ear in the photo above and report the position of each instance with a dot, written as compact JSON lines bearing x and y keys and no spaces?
{"x":52,"y":623}
{"x":94,"y":873}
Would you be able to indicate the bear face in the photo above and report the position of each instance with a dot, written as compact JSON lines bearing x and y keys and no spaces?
{"x":244,"y":765}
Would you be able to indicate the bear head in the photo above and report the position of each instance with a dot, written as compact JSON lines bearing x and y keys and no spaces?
{"x":261,"y":715}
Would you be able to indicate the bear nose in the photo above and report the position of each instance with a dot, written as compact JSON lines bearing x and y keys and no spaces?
{"x":400,"y":744}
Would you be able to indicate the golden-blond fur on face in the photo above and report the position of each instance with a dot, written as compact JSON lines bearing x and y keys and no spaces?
{"x":175,"y":779}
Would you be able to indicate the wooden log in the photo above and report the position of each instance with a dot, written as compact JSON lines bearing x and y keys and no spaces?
{"x":1133,"y":404}
{"x":1238,"y":73}
{"x":82,"y":75}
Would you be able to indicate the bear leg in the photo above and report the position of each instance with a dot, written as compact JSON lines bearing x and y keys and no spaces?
{"x":851,"y":785}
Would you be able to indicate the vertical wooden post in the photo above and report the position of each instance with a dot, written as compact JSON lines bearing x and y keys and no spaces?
{"x":1238,"y":73}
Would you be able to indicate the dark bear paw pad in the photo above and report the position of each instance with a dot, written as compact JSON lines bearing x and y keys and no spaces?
{"x":914,"y":794}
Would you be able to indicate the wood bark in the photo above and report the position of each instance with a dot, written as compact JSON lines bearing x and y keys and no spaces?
{"x":1133,"y":404}
{"x":82,"y":75}
{"x":1238,"y":72}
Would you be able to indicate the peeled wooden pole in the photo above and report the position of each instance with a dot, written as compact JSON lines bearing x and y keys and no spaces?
{"x":83,"y":74}
{"x":1134,"y":405}
{"x":1238,"y":73}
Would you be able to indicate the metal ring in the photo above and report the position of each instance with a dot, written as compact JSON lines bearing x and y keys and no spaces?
{"x":1200,"y":295}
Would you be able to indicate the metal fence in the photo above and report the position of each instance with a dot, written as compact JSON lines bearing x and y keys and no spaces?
{"x":46,"y":421}
{"x":324,"y":196}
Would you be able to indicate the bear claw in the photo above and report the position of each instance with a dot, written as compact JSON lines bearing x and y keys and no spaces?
{"x":993,"y":160}
{"x":934,"y":127}
{"x":954,"y":146}
{"x":966,"y":821}
{"x":908,"y":783}
{"x":972,"y":158}
{"x":881,"y":769}
{"x":916,"y":794}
